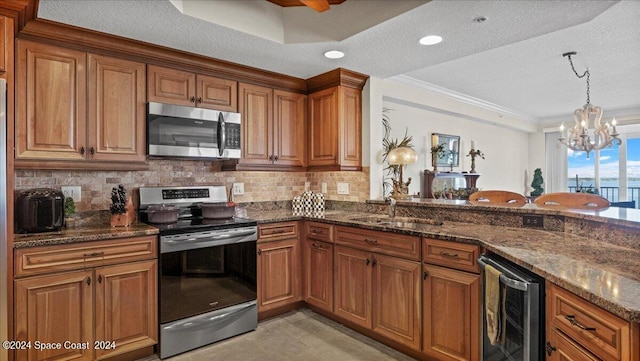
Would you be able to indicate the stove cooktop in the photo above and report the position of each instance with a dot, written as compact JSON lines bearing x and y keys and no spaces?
{"x":202,"y":225}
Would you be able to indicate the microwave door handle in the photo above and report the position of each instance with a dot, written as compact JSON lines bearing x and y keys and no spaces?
{"x":222,"y":136}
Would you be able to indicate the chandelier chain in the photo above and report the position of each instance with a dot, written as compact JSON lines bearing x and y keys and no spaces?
{"x":586,"y":72}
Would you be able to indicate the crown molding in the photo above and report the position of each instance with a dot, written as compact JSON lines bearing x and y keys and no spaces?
{"x":407,"y":80}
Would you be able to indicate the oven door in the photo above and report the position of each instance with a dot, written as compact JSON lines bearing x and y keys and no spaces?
{"x":200,"y":273}
{"x":179,"y":131}
{"x":523,"y":333}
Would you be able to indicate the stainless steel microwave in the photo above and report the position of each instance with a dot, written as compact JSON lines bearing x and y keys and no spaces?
{"x":189,"y":132}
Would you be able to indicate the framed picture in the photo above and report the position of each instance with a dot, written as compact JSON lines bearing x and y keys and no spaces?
{"x":451,"y":156}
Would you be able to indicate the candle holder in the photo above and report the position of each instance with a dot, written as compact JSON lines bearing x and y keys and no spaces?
{"x":436,"y":152}
{"x":473,"y":154}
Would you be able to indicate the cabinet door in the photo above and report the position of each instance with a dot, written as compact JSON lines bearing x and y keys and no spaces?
{"x":396,"y":299}
{"x":217,"y":93}
{"x":451,"y":325}
{"x":289,"y":129}
{"x":55,"y":309}
{"x":560,"y":348}
{"x":116,"y":109}
{"x":171,"y":86}
{"x":126,"y":312}
{"x":278,"y":274}
{"x":323,"y":127}
{"x":352,"y":285}
{"x":318,"y":261}
{"x":51,"y":116}
{"x":255,"y":105}
{"x":350,"y":117}
{"x":3,"y":46}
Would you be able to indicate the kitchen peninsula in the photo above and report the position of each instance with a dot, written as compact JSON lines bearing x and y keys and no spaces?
{"x":591,"y":254}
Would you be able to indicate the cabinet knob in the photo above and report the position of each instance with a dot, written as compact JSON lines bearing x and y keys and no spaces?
{"x":549,"y":348}
{"x":192,"y":99}
{"x":99,"y":278}
{"x":374,"y":263}
{"x":368,"y":261}
{"x":88,"y":281}
{"x":425,"y":275}
{"x":259,"y":252}
{"x":92,"y":151}
{"x":82,"y":150}
{"x":276,"y":158}
{"x":199,"y":100}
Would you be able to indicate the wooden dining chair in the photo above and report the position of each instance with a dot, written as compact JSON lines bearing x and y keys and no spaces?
{"x":572,"y":200}
{"x":498,"y":198}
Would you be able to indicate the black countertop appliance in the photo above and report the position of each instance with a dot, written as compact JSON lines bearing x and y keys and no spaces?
{"x":39,"y":210}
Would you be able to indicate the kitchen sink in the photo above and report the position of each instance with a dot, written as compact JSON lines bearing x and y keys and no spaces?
{"x":401,"y":222}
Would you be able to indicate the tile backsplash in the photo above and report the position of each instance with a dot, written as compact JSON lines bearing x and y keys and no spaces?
{"x":258,"y":186}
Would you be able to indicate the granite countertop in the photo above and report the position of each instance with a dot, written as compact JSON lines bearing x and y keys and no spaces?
{"x":605,"y":274}
{"x":97,"y":232}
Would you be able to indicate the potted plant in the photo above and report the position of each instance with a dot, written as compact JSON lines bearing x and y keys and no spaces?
{"x":69,"y":212}
{"x":537,"y":183}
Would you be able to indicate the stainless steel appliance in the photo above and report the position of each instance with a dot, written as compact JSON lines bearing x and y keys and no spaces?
{"x":524,"y":311}
{"x":39,"y":210}
{"x":189,"y":132}
{"x":207,"y":281}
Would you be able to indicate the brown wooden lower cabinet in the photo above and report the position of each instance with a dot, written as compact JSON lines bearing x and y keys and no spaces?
{"x":451,"y":327}
{"x":379,"y":292}
{"x":278,"y":274}
{"x":59,"y":309}
{"x":318,"y":265}
{"x":561,"y":348}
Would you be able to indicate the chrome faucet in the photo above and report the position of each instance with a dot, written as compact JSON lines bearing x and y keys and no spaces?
{"x":392,"y":206}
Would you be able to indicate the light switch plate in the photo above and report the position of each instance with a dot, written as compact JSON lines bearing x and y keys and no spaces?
{"x":343,"y":188}
{"x":75,"y":192}
{"x":324,"y":188}
{"x":238,"y":189}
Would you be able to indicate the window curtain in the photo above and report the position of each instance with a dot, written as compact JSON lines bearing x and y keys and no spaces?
{"x":556,"y":164}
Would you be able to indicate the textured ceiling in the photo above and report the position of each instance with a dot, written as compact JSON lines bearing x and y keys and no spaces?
{"x":513,"y":60}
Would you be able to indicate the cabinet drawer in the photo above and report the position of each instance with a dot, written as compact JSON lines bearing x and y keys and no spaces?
{"x":273,"y":231}
{"x":604,"y":334}
{"x":319,"y":231}
{"x":450,"y":254}
{"x":40,"y":260}
{"x":392,"y":244}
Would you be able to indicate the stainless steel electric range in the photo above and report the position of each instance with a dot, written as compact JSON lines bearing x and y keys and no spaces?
{"x":207,"y":272}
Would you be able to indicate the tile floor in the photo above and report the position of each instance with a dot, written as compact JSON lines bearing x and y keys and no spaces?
{"x":298,"y":335}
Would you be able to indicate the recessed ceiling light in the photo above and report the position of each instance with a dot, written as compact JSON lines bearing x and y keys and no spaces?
{"x":431,"y":40}
{"x":334,"y":54}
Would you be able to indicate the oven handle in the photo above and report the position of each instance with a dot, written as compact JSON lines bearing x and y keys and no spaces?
{"x":509,"y":282}
{"x":208,"y":238}
{"x":204,"y":321}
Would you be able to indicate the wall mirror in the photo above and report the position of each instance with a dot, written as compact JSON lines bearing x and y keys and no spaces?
{"x":451,"y":156}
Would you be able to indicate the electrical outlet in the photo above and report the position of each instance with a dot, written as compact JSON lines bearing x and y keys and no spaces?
{"x":343,"y":188}
{"x":307,"y":186}
{"x":75,"y":192}
{"x":324,"y":188}
{"x":534,"y":221}
{"x":238,"y":189}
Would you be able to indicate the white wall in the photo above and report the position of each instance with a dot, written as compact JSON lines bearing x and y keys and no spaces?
{"x":422,"y":113}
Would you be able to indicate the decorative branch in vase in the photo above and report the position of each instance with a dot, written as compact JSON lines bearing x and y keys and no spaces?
{"x":436,"y":153}
{"x":473,"y":153}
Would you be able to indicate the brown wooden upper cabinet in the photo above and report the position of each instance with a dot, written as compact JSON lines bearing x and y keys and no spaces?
{"x":335,"y":120}
{"x":186,"y":88}
{"x":85,"y":110}
{"x":273,"y":128}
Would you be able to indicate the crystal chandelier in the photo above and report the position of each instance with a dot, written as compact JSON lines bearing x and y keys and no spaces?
{"x":578,"y":138}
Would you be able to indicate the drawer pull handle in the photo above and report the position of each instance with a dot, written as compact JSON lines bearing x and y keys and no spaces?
{"x":572,"y":320}
{"x":316,"y":245}
{"x":316,"y":232}
{"x":94,"y":254}
{"x":549,"y":348}
{"x":370,"y":241}
{"x":278,"y":231}
{"x":449,"y":255}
